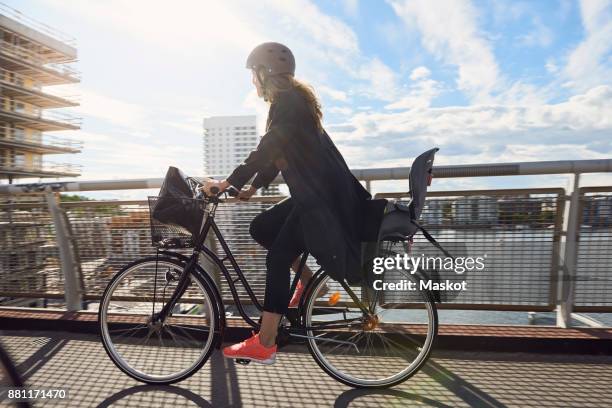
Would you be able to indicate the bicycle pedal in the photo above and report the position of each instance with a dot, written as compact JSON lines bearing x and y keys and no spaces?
{"x":242,"y":361}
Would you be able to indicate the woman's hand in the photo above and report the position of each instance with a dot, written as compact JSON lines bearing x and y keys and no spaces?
{"x":220,"y":184}
{"x":246,"y":193}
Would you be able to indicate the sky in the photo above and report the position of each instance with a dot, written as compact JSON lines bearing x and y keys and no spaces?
{"x":485,"y":81}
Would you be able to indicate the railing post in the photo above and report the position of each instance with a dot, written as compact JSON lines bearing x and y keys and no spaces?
{"x":207,"y":264}
{"x":72,"y":291}
{"x":568,"y":270}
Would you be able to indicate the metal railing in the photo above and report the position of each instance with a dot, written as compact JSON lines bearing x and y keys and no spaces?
{"x":29,"y":264}
{"x":14,"y":135}
{"x":34,"y":112}
{"x":535,"y":261}
{"x":574,"y":167}
{"x":517,"y":231}
{"x":28,"y":56}
{"x":45,"y":167}
{"x":14,"y":78}
{"x":593,"y":290}
{"x":37,"y":25}
{"x":111,"y":234}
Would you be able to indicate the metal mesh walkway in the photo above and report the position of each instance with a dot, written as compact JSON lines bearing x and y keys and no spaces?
{"x":456,"y":379}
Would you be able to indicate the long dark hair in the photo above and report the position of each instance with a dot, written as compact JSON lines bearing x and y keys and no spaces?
{"x":278,"y":83}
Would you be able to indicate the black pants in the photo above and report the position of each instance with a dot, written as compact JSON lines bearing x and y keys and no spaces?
{"x":278,"y":229}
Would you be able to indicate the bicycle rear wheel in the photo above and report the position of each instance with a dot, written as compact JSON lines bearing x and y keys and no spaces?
{"x":377,"y":349}
{"x":157,"y":352}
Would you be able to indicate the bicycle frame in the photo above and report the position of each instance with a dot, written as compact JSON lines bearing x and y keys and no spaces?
{"x":208,"y":224}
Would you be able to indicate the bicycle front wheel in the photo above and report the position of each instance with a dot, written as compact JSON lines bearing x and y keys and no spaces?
{"x":377,"y":349}
{"x":157,"y":352}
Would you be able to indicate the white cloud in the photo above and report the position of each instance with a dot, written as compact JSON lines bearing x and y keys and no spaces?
{"x":420,"y":93}
{"x":539,"y":36}
{"x":420,"y":73}
{"x":179,"y":28}
{"x":449,"y":31}
{"x":419,"y":96}
{"x":342,"y":110}
{"x":194,"y":127}
{"x":503,"y":10}
{"x":589,"y":63}
{"x":523,"y":94}
{"x":304,"y":18}
{"x":551,"y":66}
{"x":351,"y":7}
{"x":335,"y":94}
{"x":198,"y":31}
{"x":112,"y":110}
{"x":326,"y":41}
{"x":383,"y":81}
{"x":488,"y":132}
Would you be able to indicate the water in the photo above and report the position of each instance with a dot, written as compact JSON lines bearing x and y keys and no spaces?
{"x":485,"y":317}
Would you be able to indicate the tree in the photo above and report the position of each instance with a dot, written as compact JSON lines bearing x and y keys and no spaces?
{"x":73,"y":197}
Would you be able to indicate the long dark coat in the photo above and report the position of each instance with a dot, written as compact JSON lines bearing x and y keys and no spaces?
{"x":330,"y":200}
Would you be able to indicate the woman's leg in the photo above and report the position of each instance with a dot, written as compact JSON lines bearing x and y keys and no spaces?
{"x":306,"y":271}
{"x":266,"y":225}
{"x":265,"y":228}
{"x":286,"y":248}
{"x":269,"y":328}
{"x":277,"y":229}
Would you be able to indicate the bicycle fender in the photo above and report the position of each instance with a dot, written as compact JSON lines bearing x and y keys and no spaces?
{"x":309,"y":286}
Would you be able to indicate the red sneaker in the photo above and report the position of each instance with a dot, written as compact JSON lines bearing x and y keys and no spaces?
{"x":251,"y":349}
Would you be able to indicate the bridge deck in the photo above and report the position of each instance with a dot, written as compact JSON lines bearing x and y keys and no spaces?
{"x":452,"y":378}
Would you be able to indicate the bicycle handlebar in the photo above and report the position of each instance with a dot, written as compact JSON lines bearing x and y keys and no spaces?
{"x":231,"y":190}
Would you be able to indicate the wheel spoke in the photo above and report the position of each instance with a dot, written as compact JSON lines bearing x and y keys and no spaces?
{"x":191,"y":328}
{"x":139,"y":327}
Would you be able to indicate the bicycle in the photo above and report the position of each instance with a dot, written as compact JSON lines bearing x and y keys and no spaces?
{"x":161,"y":317}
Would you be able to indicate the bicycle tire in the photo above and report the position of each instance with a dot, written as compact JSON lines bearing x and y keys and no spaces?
{"x":214,"y":303}
{"x":321,"y":362}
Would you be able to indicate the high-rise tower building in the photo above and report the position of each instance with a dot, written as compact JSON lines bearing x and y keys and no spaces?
{"x":227,"y":142}
{"x":33,"y":57}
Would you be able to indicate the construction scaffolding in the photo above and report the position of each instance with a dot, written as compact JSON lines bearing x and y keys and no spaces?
{"x":33,"y":57}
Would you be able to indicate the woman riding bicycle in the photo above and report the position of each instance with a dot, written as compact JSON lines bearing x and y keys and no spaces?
{"x":323,"y":214}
